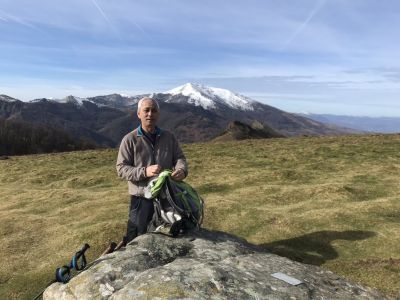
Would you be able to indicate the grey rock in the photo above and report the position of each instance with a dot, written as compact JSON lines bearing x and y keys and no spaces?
{"x":202,"y":265}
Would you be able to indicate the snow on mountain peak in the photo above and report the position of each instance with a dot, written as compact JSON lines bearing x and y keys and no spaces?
{"x":209,"y":97}
{"x":7,"y":98}
{"x":73,"y":99}
{"x":126,"y":95}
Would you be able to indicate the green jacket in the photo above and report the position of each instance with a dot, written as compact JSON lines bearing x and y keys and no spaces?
{"x":136,"y":153}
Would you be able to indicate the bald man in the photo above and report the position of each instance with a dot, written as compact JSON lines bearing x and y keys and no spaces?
{"x":143,"y":154}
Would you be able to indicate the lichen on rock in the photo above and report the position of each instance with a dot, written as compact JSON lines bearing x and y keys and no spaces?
{"x":202,"y":265}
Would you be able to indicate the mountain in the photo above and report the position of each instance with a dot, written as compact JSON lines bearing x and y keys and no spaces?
{"x":219,"y":107}
{"x":370,"y":124}
{"x":7,"y":98}
{"x":210,"y":98}
{"x":86,"y":120}
{"x":239,"y":131}
{"x":193,"y":112}
{"x":116,"y":100}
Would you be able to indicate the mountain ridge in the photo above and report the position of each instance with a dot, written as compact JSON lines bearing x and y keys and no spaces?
{"x":106,"y":119}
{"x":360,"y":123}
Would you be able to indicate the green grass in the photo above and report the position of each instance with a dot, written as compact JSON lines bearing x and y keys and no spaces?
{"x":328,"y":201}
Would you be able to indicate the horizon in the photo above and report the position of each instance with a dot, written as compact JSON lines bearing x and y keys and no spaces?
{"x":314,"y":56}
{"x":126,"y":95}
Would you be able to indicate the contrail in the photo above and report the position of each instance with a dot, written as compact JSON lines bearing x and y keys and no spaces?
{"x":141,"y":29}
{"x":109,"y":22}
{"x":7,"y":17}
{"x":101,"y":11}
{"x":300,"y":29}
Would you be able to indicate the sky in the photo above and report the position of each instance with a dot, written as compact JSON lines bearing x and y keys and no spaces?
{"x":307,"y":56}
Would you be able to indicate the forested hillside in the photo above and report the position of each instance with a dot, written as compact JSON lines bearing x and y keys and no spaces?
{"x":20,"y":137}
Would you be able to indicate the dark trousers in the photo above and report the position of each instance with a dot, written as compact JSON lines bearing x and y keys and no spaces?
{"x":141,"y":212}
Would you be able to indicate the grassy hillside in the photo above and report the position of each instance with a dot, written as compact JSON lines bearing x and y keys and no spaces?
{"x":329,"y":201}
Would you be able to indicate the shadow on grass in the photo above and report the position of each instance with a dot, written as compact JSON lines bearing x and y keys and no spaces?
{"x":314,"y":248}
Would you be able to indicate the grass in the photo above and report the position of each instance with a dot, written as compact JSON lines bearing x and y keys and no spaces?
{"x":327,"y":201}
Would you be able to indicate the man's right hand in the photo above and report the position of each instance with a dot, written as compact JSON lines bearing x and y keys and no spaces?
{"x":153,"y":170}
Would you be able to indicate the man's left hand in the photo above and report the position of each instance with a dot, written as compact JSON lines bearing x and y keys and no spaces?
{"x":178,"y":175}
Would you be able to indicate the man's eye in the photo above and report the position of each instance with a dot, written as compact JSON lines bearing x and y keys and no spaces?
{"x":153,"y":110}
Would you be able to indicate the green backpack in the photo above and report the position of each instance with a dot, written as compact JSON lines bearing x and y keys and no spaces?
{"x":177,"y":204}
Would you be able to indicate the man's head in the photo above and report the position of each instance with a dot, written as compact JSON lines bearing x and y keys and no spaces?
{"x":148,"y":113}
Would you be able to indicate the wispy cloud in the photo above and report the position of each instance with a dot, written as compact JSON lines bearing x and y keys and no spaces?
{"x":387,"y":74}
{"x":111,"y":24}
{"x":11,"y":18}
{"x":390,"y":73}
{"x":318,"y":5}
{"x":107,"y":19}
{"x":102,"y":13}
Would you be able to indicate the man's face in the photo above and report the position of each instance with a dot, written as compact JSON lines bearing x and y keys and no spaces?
{"x":148,"y":114}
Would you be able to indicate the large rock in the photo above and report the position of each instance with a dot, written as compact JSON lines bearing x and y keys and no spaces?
{"x":202,"y":265}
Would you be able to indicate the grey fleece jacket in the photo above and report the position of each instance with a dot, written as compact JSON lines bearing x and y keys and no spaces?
{"x":136,"y":153}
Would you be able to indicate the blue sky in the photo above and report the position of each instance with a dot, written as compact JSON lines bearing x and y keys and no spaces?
{"x":319,"y":56}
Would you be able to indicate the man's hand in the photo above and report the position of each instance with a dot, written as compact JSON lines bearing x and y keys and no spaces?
{"x":178,"y":175}
{"x":153,"y":170}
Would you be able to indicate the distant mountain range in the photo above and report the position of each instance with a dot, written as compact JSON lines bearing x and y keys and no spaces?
{"x":366,"y":124}
{"x":194,"y":112}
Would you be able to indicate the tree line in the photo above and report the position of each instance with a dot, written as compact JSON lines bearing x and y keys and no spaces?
{"x":19,"y":137}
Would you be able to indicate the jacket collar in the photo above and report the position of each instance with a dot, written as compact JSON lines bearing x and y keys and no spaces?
{"x":140,"y":131}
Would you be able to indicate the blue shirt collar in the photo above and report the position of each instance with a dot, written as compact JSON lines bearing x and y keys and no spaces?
{"x":140,"y":131}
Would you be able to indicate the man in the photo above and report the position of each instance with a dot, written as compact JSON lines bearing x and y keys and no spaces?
{"x":144,"y":153}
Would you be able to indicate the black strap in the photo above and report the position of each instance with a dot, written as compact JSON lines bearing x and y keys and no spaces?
{"x":170,"y":197}
{"x":63,"y":274}
{"x":78,"y":261}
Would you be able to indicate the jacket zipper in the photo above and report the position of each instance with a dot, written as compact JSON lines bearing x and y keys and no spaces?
{"x":153,"y":156}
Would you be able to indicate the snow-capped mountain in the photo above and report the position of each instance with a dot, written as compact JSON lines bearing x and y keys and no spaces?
{"x":69,"y":99}
{"x":113,"y":100}
{"x":73,"y":99}
{"x":210,"y":97}
{"x":192,"y":111}
{"x":116,"y":100}
{"x":7,"y":98}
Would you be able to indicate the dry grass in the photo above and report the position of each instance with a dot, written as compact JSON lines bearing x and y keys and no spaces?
{"x":331,"y":201}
